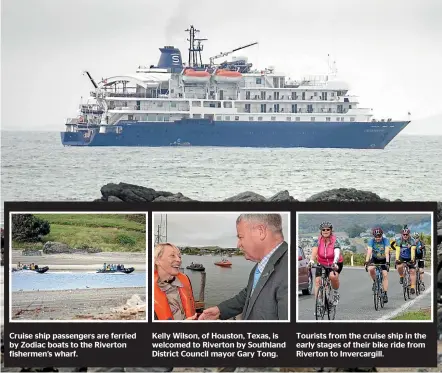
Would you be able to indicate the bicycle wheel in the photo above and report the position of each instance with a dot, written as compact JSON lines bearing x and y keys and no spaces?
{"x":320,"y":304}
{"x":331,"y":307}
{"x":376,"y":295}
{"x":418,"y":283}
{"x":405,"y":286}
{"x":408,"y":285}
{"x":381,"y":297}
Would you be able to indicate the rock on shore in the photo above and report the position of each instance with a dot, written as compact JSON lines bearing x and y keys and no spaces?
{"x":123,"y":192}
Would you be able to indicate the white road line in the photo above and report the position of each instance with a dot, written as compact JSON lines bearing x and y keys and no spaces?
{"x":405,"y":306}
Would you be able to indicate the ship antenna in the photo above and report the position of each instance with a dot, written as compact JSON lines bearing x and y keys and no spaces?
{"x":194,"y":50}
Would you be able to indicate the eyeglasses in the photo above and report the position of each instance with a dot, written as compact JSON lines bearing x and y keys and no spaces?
{"x":326,"y":229}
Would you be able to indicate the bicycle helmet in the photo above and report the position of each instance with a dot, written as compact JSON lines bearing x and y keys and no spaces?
{"x":377,"y":231}
{"x":416,"y":235}
{"x":405,"y":230}
{"x":326,"y":224}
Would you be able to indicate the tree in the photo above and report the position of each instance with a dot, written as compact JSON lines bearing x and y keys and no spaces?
{"x":355,"y":230}
{"x":29,"y":228}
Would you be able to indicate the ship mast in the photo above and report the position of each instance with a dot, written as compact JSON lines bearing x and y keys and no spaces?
{"x":194,"y":50}
{"x":160,"y":237}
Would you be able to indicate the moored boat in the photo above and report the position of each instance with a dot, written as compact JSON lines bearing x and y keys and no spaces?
{"x":38,"y":269}
{"x":120,"y":270}
{"x":223,"y":263}
{"x":228,"y":104}
{"x":196,"y":267}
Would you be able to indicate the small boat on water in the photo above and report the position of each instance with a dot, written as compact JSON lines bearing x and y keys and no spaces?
{"x":196,"y":267}
{"x":117,"y":270}
{"x":37,"y":269}
{"x":224,"y":263}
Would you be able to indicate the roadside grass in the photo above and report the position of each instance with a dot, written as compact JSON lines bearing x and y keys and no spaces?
{"x":422,"y":314}
{"x":108,"y":232}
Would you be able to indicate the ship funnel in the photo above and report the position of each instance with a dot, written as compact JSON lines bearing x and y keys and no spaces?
{"x":170,"y":59}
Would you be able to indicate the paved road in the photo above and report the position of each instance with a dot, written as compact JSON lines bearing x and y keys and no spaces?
{"x":356,"y":297}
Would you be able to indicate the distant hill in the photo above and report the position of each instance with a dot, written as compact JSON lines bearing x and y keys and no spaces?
{"x":309,"y":223}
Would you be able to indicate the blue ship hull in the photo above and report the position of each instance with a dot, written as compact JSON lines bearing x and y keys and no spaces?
{"x":202,"y":132}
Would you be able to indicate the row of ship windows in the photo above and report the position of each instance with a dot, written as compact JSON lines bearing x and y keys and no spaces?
{"x":288,"y":119}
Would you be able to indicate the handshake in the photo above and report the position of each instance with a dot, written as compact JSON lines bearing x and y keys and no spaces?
{"x":211,"y":313}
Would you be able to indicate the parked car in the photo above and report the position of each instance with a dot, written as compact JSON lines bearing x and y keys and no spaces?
{"x":305,"y":277}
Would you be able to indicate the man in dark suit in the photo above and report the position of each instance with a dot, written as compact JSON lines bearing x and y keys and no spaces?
{"x":265,"y":297}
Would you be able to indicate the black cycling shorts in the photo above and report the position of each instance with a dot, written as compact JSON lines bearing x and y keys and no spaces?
{"x":419,"y":255}
{"x":380,"y":261}
{"x":318,"y":271}
{"x":420,"y":263}
{"x":412,"y":266}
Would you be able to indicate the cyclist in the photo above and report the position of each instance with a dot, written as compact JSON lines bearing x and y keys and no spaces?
{"x":420,"y":255}
{"x":378,"y":252}
{"x":405,"y":253}
{"x":327,"y":251}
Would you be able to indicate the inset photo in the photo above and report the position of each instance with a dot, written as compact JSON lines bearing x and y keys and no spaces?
{"x":365,"y":266}
{"x":221,"y":267}
{"x":77,"y":267}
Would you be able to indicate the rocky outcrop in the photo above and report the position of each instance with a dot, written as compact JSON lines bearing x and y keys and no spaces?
{"x":123,"y":192}
{"x":346,"y":195}
{"x":61,"y":248}
{"x":56,"y":248}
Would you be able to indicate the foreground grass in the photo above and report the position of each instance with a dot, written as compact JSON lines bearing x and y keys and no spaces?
{"x":108,"y":232}
{"x":423,"y":314}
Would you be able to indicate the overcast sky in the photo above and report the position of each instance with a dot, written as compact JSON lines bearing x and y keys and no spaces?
{"x":390,"y":52}
{"x":218,"y":229}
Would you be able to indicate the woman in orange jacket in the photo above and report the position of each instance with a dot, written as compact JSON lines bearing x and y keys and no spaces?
{"x":173,"y":294}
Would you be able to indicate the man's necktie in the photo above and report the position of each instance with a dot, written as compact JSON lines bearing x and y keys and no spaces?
{"x":256,"y":278}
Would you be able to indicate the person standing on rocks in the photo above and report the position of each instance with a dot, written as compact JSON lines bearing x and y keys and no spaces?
{"x":173,"y":294}
{"x":265,"y":297}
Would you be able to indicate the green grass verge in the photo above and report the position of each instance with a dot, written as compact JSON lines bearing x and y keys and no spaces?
{"x":108,"y":232}
{"x":423,"y":314}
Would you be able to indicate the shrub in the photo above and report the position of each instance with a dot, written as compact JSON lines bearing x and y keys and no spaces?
{"x":28,"y":228}
{"x":124,"y":239}
{"x":139,"y":218}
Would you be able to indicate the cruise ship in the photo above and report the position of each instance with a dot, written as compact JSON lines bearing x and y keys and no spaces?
{"x":224,"y":103}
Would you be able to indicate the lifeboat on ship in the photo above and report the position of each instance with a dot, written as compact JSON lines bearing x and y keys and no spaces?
{"x":227,"y":76}
{"x":195,"y":76}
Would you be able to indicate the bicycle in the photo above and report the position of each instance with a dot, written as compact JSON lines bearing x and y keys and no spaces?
{"x":420,"y":286}
{"x":324,"y":298}
{"x":406,"y":284}
{"x":378,"y":291}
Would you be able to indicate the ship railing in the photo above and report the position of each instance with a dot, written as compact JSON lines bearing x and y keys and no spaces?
{"x":149,"y":109}
{"x":72,"y":121}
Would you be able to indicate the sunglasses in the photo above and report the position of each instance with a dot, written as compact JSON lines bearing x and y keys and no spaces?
{"x":379,"y":236}
{"x":326,"y":230}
